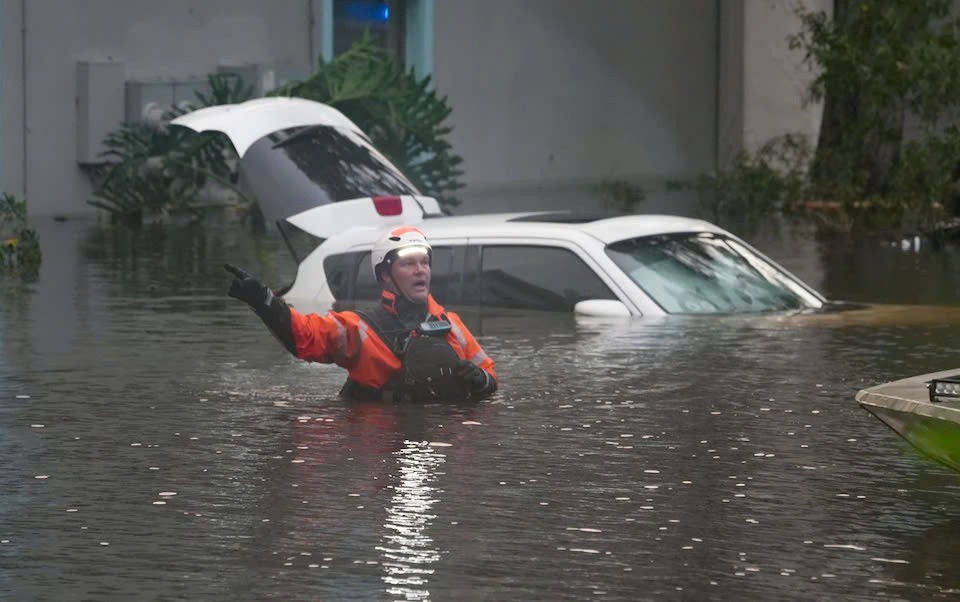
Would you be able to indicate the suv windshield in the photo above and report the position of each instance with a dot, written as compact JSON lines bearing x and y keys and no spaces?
{"x":698,"y":273}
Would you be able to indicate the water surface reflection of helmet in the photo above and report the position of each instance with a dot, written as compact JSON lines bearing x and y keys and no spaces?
{"x":393,"y":243}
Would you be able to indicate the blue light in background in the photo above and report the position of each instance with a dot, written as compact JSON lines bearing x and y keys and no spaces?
{"x":372,"y":12}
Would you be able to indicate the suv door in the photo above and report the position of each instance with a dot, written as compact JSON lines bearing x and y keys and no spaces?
{"x":533,"y":276}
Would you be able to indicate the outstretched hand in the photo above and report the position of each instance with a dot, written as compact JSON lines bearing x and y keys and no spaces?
{"x":247,"y":288}
{"x":471,"y":374}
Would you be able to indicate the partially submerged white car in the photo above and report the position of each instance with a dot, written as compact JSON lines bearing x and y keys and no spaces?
{"x":331,"y":194}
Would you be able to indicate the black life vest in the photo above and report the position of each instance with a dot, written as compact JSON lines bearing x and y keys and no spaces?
{"x":428,"y":362}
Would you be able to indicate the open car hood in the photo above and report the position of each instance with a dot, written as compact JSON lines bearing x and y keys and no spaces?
{"x":312,"y":167}
{"x":247,"y":122}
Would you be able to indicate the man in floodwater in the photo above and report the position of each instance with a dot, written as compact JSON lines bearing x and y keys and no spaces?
{"x":409,"y":348}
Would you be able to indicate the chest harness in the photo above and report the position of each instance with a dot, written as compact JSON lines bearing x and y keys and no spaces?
{"x":427,"y":360}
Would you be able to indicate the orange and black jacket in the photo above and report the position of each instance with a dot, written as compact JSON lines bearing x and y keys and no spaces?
{"x":348,"y":340}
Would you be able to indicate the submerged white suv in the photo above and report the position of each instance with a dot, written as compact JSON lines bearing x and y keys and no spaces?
{"x":331,"y":194}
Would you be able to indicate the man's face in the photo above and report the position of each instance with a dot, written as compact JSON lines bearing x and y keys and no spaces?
{"x":410,"y":274}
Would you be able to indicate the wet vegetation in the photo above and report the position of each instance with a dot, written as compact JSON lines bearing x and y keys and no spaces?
{"x":152,"y":170}
{"x":401,"y":113}
{"x":19,"y":245}
{"x":888,"y":153}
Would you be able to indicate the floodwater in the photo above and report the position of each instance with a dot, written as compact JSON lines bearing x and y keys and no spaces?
{"x":159,"y":444}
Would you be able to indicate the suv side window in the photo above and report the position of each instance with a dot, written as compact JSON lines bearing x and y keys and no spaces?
{"x":351,"y":278}
{"x":365,"y":286}
{"x":537,"y":277}
{"x":339,"y":270}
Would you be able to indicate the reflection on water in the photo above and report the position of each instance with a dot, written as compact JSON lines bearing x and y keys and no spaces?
{"x":408,"y":550}
{"x":161,"y":445}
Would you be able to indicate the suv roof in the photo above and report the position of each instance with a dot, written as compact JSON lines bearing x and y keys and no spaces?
{"x":606,"y":230}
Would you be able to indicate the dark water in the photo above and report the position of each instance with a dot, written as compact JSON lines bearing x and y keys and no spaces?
{"x":157,"y":443}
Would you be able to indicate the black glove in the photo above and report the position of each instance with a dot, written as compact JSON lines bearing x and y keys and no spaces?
{"x":471,"y":374}
{"x":248,"y":289}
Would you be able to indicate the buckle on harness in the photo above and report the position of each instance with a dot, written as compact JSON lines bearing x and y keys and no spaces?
{"x":434,"y":329}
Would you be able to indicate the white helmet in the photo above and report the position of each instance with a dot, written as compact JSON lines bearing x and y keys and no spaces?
{"x":385,"y":250}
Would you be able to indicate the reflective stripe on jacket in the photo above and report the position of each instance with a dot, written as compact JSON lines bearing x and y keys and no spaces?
{"x":345,"y":339}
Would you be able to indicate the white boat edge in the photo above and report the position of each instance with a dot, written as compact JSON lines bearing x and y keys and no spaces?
{"x":910,"y":396}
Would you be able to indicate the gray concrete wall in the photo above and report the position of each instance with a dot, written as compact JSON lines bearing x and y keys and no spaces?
{"x":775,"y":79}
{"x":550,"y":93}
{"x":169,"y":39}
{"x":763,"y":83}
{"x":547,"y":94}
{"x":730,"y":89}
{"x":11,"y":99}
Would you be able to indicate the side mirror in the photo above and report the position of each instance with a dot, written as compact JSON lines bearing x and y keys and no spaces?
{"x":608,"y":308}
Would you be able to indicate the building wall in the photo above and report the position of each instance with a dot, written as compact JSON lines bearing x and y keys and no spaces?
{"x":551,"y":92}
{"x":546,"y":94}
{"x":170,"y":39}
{"x":11,"y":99}
{"x":730,"y":90}
{"x":775,"y":80}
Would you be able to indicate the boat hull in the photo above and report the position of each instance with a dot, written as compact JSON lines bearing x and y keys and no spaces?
{"x":904,"y":405}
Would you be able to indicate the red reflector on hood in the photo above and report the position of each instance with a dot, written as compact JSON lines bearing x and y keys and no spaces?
{"x":388,"y":205}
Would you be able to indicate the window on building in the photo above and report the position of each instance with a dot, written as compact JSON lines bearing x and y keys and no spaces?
{"x":542,"y":278}
{"x":384,"y":19}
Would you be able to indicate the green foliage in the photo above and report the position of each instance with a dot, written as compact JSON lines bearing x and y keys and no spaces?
{"x":19,"y":246}
{"x":889,"y":77}
{"x":890,"y":53}
{"x":150,"y":170}
{"x":403,"y":116}
{"x":771,"y":180}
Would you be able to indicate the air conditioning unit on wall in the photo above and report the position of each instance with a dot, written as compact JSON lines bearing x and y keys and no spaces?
{"x":105,"y":98}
